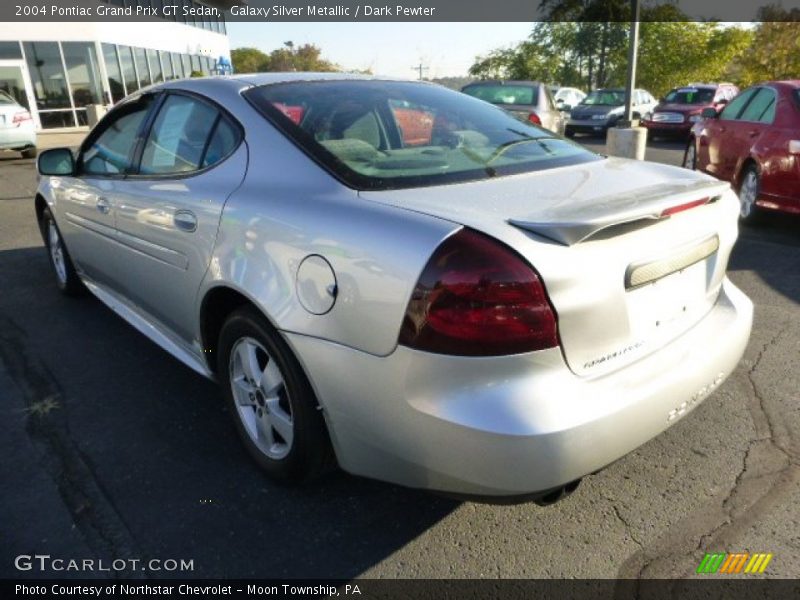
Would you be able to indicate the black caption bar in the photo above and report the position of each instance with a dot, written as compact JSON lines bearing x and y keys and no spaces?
{"x":395,"y":10}
{"x":417,"y":589}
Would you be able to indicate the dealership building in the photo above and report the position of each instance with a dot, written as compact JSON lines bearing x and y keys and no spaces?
{"x":56,"y":70}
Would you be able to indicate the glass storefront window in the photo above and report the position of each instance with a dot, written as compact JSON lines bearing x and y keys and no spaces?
{"x":10,"y":51}
{"x":166,"y":62}
{"x":128,"y":72}
{"x":49,"y":84}
{"x":83,"y":73}
{"x":113,"y":71}
{"x":11,"y":83}
{"x":187,"y":65}
{"x":155,"y":66}
{"x":141,"y":67}
{"x":177,"y":65}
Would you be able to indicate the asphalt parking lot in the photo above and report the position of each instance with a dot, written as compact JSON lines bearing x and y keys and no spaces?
{"x":113,"y":449}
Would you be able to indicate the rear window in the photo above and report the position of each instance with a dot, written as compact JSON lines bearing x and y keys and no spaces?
{"x":386,"y":135}
{"x":504,"y":94}
{"x":690,"y":96}
{"x":604,"y":98}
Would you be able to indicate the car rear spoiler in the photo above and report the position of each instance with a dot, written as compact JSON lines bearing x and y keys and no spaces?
{"x":574,"y":223}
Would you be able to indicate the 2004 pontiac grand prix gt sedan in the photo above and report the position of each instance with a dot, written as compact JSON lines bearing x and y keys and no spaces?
{"x":401,"y":278}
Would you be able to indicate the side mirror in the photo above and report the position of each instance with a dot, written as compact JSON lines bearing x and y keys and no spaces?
{"x":560,"y":101}
{"x":709,"y":113}
{"x":58,"y":161}
{"x":722,"y":101}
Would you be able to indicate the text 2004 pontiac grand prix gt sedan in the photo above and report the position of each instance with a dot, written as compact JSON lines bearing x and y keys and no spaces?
{"x":402,"y":278}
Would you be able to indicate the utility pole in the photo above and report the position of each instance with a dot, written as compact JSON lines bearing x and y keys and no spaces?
{"x":633,"y":52}
{"x":420,"y":68}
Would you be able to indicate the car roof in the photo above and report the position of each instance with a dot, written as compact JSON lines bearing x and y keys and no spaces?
{"x":504,"y":81}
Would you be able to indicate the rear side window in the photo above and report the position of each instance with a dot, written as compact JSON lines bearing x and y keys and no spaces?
{"x":735,"y":106}
{"x":111,"y":152}
{"x":223,"y":141}
{"x":761,"y":107}
{"x":504,"y":94}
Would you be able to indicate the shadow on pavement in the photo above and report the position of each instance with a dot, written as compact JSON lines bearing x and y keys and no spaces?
{"x":163,"y":458}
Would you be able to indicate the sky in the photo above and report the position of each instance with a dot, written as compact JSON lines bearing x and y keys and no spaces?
{"x":446,"y":49}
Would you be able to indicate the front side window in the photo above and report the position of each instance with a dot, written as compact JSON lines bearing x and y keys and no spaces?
{"x":111,"y":151}
{"x":735,"y":106}
{"x":179,"y":136}
{"x":384,"y":135}
{"x":503,"y":94}
{"x":604,"y":98}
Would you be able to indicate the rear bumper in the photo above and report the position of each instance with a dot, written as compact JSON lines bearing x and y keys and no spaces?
{"x":512,"y":425}
{"x":587,"y":126}
{"x":17,"y":137}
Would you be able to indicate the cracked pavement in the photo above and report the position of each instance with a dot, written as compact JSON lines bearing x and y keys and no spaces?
{"x":112,"y":449}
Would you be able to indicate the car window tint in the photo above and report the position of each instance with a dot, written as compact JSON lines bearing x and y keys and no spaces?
{"x":735,"y":106}
{"x":110,"y":154}
{"x":386,"y":135}
{"x":759,"y":106}
{"x":178,"y":138}
{"x":223,"y":141}
{"x":503,"y":94}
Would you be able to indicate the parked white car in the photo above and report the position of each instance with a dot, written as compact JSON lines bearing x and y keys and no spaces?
{"x":17,"y":131}
{"x":567,"y":97}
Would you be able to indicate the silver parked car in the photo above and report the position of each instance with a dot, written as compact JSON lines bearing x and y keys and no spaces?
{"x":402,"y":278}
{"x":529,"y":101}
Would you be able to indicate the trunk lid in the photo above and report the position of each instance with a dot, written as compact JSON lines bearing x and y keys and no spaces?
{"x":624,"y":280}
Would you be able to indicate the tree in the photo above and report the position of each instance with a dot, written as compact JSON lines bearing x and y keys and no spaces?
{"x":673,"y":51}
{"x":248,"y":60}
{"x":775,"y":50}
{"x":289,"y":58}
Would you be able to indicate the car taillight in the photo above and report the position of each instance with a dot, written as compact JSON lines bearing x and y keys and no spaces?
{"x":672,"y":210}
{"x":21,"y":117}
{"x":534,"y":118}
{"x":477,"y":297}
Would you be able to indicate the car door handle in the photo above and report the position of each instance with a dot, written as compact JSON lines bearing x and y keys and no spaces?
{"x":185,"y":220}
{"x":103,"y":206}
{"x":753,"y":133}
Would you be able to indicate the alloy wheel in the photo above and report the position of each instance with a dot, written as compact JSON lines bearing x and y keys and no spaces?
{"x":261,"y":397}
{"x":57,"y":252}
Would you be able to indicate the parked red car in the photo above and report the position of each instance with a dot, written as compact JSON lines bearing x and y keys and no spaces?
{"x":754,"y":143}
{"x":681,"y":108}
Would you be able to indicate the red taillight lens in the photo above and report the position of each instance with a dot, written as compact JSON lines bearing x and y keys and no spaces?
{"x":672,"y":210}
{"x":534,"y":118}
{"x":477,"y":297}
{"x":21,"y":117}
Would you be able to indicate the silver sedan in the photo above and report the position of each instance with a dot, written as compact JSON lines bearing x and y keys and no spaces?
{"x":402,"y":279}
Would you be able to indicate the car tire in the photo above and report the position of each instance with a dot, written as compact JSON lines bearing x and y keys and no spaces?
{"x":570,"y":133}
{"x":273,"y":406}
{"x":29,"y":152}
{"x":66,"y":277}
{"x":749,"y":186}
{"x":690,"y":155}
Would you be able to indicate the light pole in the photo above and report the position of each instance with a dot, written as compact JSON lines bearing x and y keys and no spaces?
{"x":633,"y":51}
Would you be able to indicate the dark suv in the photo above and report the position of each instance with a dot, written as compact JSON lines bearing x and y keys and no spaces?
{"x":681,"y":107}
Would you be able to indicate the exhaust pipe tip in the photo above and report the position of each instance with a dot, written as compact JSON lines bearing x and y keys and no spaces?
{"x":558,"y":494}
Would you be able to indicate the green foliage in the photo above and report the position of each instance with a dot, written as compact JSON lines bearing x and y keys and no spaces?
{"x":248,"y":60}
{"x":775,"y":50}
{"x":590,"y":54}
{"x":288,"y":58}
